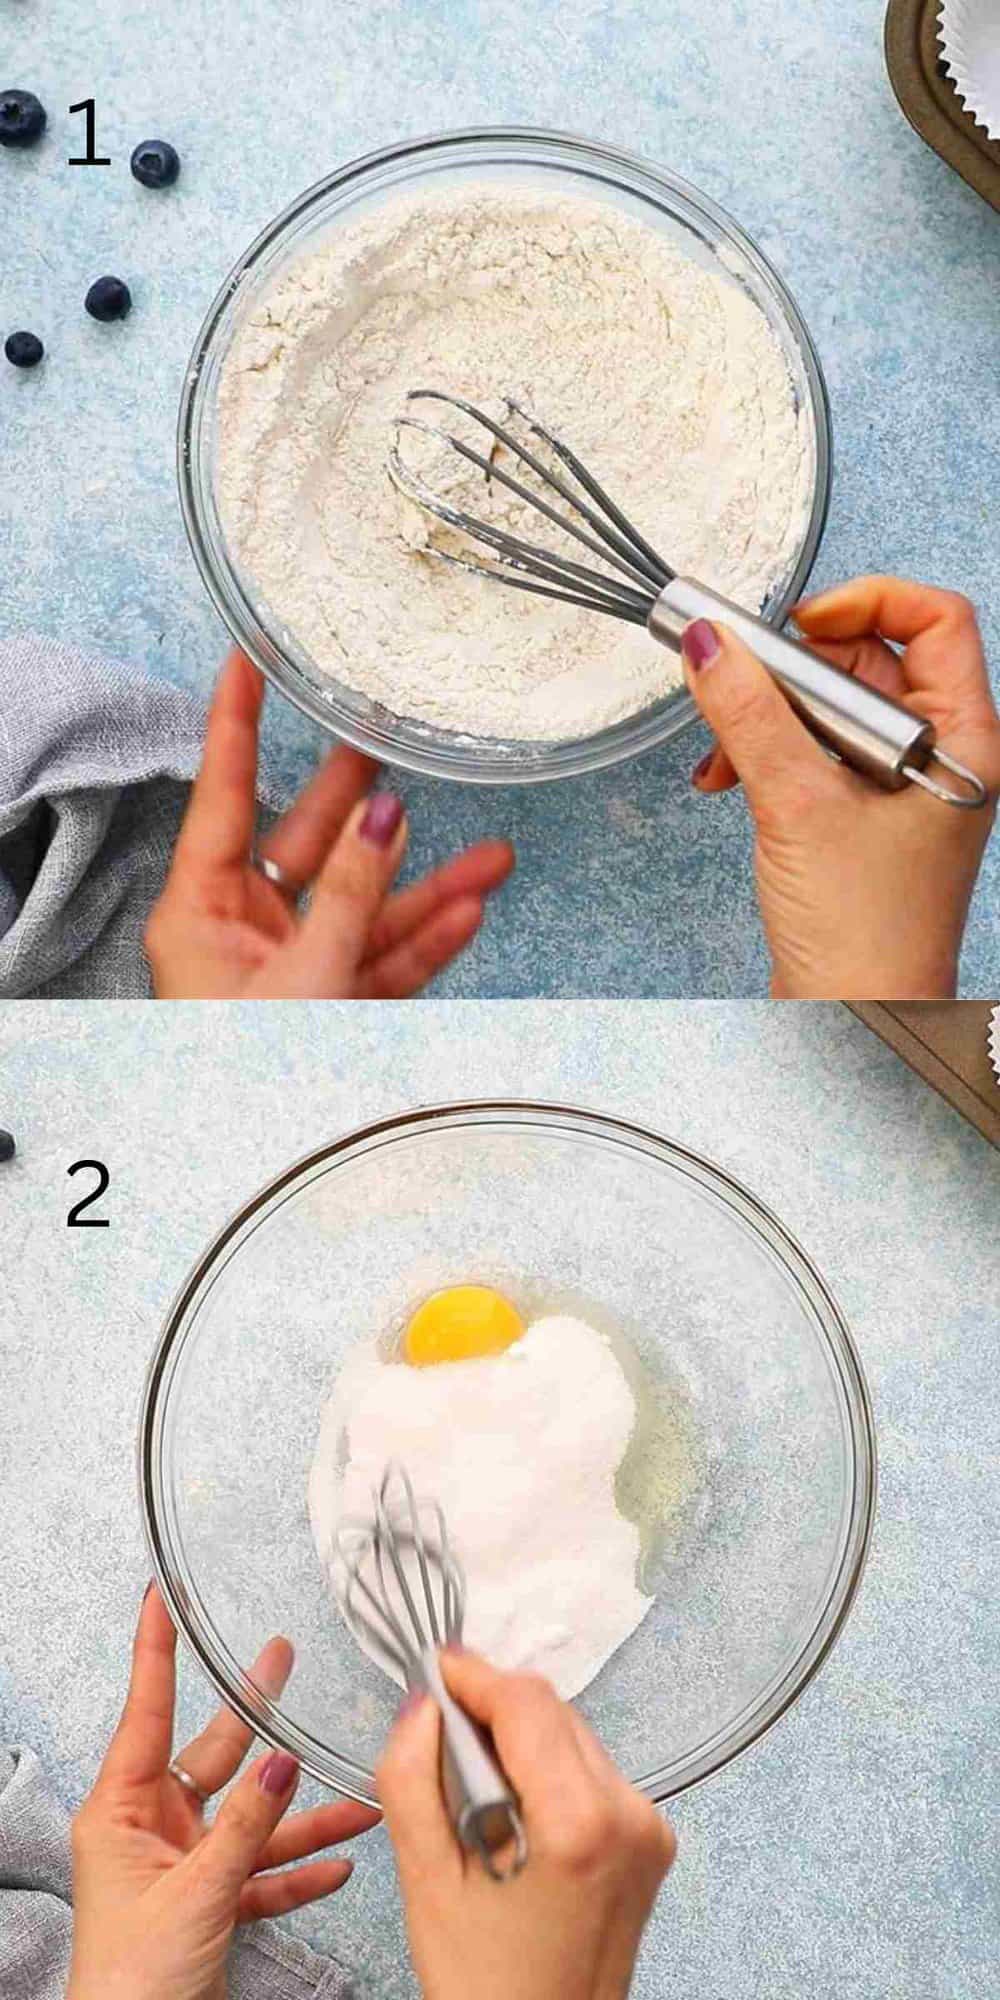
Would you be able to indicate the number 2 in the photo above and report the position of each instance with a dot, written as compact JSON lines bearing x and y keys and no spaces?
{"x":76,"y":1218}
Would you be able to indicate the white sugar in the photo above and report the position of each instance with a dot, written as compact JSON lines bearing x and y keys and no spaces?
{"x":521,"y":1450}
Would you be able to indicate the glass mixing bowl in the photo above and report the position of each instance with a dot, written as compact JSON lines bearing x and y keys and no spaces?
{"x":560,"y":1209}
{"x":568,"y":165}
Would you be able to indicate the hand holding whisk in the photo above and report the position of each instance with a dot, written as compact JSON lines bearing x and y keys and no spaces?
{"x":401,"y":1587}
{"x":876,"y":735}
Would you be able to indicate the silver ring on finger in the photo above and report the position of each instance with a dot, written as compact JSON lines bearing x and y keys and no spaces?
{"x":273,"y":872}
{"x":176,"y":1770}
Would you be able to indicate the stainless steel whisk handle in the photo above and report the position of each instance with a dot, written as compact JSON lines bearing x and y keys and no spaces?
{"x":870,"y":731}
{"x":483,"y":1809}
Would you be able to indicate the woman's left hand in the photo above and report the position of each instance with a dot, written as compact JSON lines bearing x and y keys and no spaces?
{"x":222,"y":931}
{"x":156,"y":1892}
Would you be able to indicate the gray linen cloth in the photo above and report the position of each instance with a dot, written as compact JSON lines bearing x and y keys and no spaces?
{"x":95,"y":763}
{"x":36,"y":1921}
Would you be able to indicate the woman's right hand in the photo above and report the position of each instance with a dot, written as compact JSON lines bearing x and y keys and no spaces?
{"x":570,"y":1923}
{"x":863,"y":893}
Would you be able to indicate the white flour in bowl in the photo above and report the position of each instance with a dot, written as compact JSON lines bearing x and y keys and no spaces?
{"x":521,"y":1450}
{"x":662,"y":375}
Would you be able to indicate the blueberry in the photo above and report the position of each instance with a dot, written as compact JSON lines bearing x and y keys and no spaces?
{"x":22,"y":118}
{"x":156,"y":163}
{"x":108,"y":298}
{"x":7,"y":1147}
{"x":25,"y":350}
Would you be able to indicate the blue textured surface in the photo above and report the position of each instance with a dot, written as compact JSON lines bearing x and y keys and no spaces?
{"x":627,"y":882}
{"x":849,"y":1855}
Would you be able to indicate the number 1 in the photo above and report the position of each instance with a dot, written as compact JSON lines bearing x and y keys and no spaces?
{"x":90,"y":158}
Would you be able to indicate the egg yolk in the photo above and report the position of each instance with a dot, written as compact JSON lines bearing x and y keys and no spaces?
{"x":461,"y":1324}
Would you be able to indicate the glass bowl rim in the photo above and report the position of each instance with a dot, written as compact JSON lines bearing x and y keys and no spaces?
{"x":231,"y":1681}
{"x":460,"y":762}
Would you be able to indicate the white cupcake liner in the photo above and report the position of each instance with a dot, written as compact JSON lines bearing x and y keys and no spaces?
{"x":993,"y":1042}
{"x":969,"y":39}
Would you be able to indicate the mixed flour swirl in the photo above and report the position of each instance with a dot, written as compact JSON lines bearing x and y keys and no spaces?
{"x":660,"y":372}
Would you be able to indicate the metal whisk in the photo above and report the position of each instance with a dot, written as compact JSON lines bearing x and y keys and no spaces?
{"x":401,"y":1587}
{"x":867,"y":729}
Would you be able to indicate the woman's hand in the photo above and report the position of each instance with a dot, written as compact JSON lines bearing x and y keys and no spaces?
{"x":570,"y":1924}
{"x":156,"y":1895}
{"x":863,"y":893}
{"x":221,"y":930}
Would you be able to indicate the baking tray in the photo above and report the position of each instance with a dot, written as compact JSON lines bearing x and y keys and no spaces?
{"x":930,"y":100}
{"x":945,"y":1042}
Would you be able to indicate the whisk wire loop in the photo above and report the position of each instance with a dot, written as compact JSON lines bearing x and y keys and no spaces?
{"x":629,"y":552}
{"x":503,"y":538}
{"x":453,"y":1584}
{"x":660,"y":572}
{"x":389,"y":1539}
{"x":593,"y":593}
{"x":380,"y":1561}
{"x":640,"y":574}
{"x":389,"y":1613}
{"x":621,"y":611}
{"x":378,"y":1622}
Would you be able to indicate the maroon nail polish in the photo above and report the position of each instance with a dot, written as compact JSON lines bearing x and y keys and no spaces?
{"x":702,"y":768}
{"x":277,"y":1772}
{"x":411,"y":1701}
{"x":382,"y":816}
{"x":700,"y":644}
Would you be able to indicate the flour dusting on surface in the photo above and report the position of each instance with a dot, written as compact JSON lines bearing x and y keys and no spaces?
{"x":521,"y":1450}
{"x":661,"y":373}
